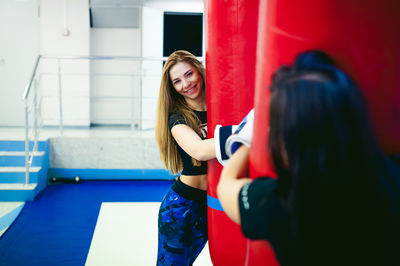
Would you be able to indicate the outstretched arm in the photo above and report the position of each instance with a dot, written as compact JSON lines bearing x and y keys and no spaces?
{"x":233,"y":178}
{"x":192,"y":144}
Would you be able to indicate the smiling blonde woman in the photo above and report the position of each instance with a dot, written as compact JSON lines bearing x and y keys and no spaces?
{"x":181,"y":133}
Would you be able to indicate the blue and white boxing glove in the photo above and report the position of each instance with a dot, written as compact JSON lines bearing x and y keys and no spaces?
{"x":242,"y":135}
{"x":221,"y":134}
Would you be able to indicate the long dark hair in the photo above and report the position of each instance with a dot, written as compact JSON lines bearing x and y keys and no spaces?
{"x":326,"y":156}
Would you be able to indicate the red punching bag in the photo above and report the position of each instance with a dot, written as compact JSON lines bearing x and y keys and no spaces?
{"x":230,"y":67}
{"x":363,"y":38}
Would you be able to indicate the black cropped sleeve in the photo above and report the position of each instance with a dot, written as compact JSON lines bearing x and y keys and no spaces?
{"x":259,"y":208}
{"x":262,"y":216}
{"x":175,"y":119}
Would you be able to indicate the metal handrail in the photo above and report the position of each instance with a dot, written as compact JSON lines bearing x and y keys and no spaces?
{"x":103,"y":57}
{"x":28,"y":87}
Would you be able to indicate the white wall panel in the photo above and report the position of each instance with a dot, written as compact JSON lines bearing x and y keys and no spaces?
{"x":75,"y":82}
{"x":115,"y":82}
{"x":19,"y":47}
{"x":153,"y":25}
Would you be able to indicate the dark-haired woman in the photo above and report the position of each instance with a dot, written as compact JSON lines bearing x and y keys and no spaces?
{"x":336,"y":198}
{"x":181,"y":133}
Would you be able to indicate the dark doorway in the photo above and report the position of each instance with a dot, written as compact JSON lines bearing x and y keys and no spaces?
{"x":183,"y":31}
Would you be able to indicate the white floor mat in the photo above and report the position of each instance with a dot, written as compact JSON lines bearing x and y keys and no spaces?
{"x":126,"y":234}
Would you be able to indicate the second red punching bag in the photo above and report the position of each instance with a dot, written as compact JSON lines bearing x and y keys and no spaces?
{"x":230,"y":67}
{"x":362,"y":37}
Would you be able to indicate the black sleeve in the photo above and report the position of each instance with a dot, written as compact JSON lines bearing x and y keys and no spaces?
{"x":175,"y":119}
{"x":259,"y":207}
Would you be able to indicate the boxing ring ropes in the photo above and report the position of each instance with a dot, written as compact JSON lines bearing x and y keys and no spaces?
{"x":32,"y":101}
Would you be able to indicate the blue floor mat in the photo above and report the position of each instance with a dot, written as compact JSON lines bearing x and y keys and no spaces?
{"x":57,"y":228}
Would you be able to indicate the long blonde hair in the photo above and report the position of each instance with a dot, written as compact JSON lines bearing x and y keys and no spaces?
{"x":171,"y":101}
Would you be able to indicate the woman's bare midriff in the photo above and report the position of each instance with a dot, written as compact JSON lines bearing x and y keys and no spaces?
{"x":196,"y":181}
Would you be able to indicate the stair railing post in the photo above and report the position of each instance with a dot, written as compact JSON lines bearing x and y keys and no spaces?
{"x":26,"y":142}
{"x":26,"y":105}
{"x":135,"y":117}
{"x":140,"y":122}
{"x":60,"y":97}
{"x":35,"y":117}
{"x":133,"y":99}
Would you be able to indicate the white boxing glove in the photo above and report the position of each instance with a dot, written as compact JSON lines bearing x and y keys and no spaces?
{"x":221,"y":134}
{"x":242,"y":135}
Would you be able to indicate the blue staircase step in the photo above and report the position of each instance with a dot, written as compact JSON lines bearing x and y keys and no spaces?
{"x":17,"y":192}
{"x":17,"y":158}
{"x":12,"y":170}
{"x":17,"y":174}
{"x":19,"y":145}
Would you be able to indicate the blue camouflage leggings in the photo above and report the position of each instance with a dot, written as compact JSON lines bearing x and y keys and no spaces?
{"x":182,"y":230}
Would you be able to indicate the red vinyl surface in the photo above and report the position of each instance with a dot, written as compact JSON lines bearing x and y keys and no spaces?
{"x":363,"y":37}
{"x":247,"y":40}
{"x":230,"y":67}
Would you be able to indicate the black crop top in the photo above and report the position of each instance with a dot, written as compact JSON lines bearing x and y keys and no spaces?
{"x":261,"y":215}
{"x":188,"y":167}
